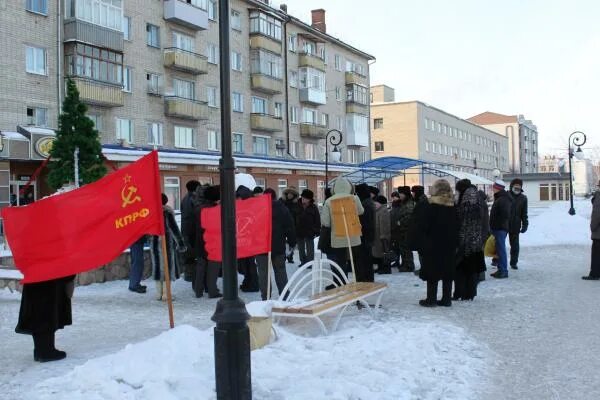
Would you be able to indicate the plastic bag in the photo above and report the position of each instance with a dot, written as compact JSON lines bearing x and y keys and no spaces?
{"x":490,"y":247}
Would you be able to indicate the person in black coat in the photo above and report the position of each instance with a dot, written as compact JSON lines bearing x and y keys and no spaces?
{"x":519,"y":220}
{"x":188,"y":229}
{"x":308,"y":226}
{"x":207,"y":272}
{"x":282,"y":232}
{"x":500,"y":225}
{"x":46,"y":308}
{"x":363,"y":253}
{"x":291,"y":200}
{"x":437,"y":237}
{"x":420,"y":198}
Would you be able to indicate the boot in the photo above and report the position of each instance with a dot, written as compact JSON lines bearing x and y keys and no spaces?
{"x":44,"y":350}
{"x":430,"y":301}
{"x":446,"y":300}
{"x":159,"y":290}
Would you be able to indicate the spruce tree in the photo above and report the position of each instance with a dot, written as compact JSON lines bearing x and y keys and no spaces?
{"x":75,"y":129}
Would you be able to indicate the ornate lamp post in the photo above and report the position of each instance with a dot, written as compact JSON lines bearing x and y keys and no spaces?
{"x":576,"y":139}
{"x":232,"y":337}
{"x":333,"y":137}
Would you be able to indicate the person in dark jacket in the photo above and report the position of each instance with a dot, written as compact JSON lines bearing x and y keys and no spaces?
{"x":400,"y":223}
{"x":247,"y":266}
{"x":470,"y":261}
{"x":46,"y":308}
{"x":290,"y":199}
{"x":283,"y":232}
{"x":308,"y":226}
{"x":381,"y":244}
{"x":437,"y":236}
{"x":519,"y":221}
{"x":136,"y":271}
{"x":188,"y":229}
{"x":594,"y":274}
{"x":500,"y":225}
{"x":362,"y":254}
{"x":420,"y":198}
{"x":207,"y":272}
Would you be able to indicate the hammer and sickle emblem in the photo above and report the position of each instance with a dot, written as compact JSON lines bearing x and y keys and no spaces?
{"x":128,"y":195}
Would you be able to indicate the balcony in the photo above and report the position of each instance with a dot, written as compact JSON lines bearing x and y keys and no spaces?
{"x":185,"y":14}
{"x":311,"y":60}
{"x":356,"y":79}
{"x":266,"y":122}
{"x":185,"y":61}
{"x":81,"y":31}
{"x":99,"y":93}
{"x":356,"y":108}
{"x":260,"y":41}
{"x":313,"y":96}
{"x":312,"y":131}
{"x":180,"y":107}
{"x":267,"y":84}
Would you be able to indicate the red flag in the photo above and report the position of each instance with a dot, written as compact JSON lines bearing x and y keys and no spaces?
{"x":88,"y":227}
{"x":254,"y":225}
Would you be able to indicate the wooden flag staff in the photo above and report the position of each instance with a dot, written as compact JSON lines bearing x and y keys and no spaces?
{"x":168,"y":282}
{"x":269,"y":266}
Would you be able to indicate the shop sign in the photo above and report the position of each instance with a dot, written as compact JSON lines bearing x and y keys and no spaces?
{"x":44,"y":145}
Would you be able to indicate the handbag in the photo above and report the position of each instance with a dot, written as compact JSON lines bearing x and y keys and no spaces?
{"x":490,"y":247}
{"x":324,"y":239}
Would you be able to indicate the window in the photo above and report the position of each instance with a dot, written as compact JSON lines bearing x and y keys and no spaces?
{"x":97,"y":120}
{"x":357,"y":94}
{"x":325,"y":120}
{"x":358,"y":69}
{"x":154,"y":82}
{"x":439,"y":127}
{"x":184,"y":89}
{"x":309,"y":151}
{"x":427,"y":146}
{"x":302,"y":184}
{"x":338,"y":93}
{"x":294,"y":148}
{"x":238,"y":143}
{"x":212,"y":96}
{"x":294,"y":115}
{"x":36,"y":60}
{"x":309,"y":116}
{"x":214,"y":140}
{"x":183,"y":42}
{"x":125,"y":130}
{"x":236,"y":61}
{"x":278,"y":110}
{"x":212,"y":10}
{"x":261,"y":182}
{"x":127,"y":28}
{"x":294,"y":79}
{"x":339,"y":123}
{"x":184,"y":137}
{"x":236,"y":20}
{"x":293,"y":42}
{"x":312,"y":78}
{"x":279,"y":147}
{"x":95,"y":63}
{"x":378,"y":123}
{"x":212,"y":53}
{"x":237,"y":100}
{"x":155,"y":133}
{"x":37,"y":6}
{"x":173,"y":191}
{"x":339,"y":62}
{"x":127,"y":79}
{"x":445,"y":129}
{"x":198,"y":3}
{"x":266,"y":63}
{"x":260,"y":145}
{"x":310,"y":48}
{"x":259,"y":105}
{"x":426,"y":123}
{"x":379,"y":146}
{"x":281,"y":186}
{"x":106,"y":13}
{"x":152,"y":35}
{"x":352,"y":156}
{"x":265,"y":24}
{"x":37,"y":116}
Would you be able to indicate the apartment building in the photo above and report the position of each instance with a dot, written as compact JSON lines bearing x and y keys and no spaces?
{"x":522,"y":137}
{"x":417,"y":130}
{"x":149,"y":72}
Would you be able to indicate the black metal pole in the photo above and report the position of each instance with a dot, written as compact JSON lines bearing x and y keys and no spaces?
{"x":572,"y":209}
{"x":326,"y":166}
{"x":578,"y":139}
{"x":335,"y":139}
{"x":232,"y":337}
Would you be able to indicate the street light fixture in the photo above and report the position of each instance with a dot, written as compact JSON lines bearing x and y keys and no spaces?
{"x":333,"y":137}
{"x":577,"y":139}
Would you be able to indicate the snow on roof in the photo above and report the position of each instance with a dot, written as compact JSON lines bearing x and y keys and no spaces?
{"x":39,"y":131}
{"x":13,"y":135}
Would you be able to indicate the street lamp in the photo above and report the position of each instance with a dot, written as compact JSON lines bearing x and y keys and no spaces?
{"x":333,"y":137}
{"x":578,"y":139}
{"x":232,"y":337}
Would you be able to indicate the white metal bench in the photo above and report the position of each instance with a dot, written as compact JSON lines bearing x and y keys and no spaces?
{"x":305,"y":296}
{"x":8,"y":276}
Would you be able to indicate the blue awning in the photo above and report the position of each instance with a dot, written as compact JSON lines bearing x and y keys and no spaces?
{"x":380,"y":169}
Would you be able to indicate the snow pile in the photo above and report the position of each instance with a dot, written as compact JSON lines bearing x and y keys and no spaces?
{"x":555,"y":226}
{"x":368,"y":360}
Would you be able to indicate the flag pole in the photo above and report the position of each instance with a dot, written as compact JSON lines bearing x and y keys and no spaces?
{"x":349,"y":244}
{"x":168,"y":281}
{"x":269,"y":265}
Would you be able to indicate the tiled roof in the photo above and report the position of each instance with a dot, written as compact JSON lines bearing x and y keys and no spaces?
{"x":489,"y":118}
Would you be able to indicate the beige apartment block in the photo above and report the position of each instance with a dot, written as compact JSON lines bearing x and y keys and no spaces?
{"x":419,"y":131}
{"x":149,"y":73}
{"x":522,"y":139}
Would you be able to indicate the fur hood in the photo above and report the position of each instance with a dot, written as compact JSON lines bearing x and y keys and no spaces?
{"x":441,"y":193}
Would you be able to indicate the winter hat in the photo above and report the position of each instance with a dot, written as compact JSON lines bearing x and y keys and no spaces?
{"x":442,"y":188}
{"x":308,"y":194}
{"x":381,"y":200}
{"x":258,"y":190}
{"x":516,"y":181}
{"x":499,"y":184}
{"x":374,"y":191}
{"x":362,"y":191}
{"x":405,"y":190}
{"x":246,"y":180}
{"x":192,"y":185}
{"x":212,"y":193}
{"x":271,"y":192}
{"x":463,"y":185}
{"x":395,"y":195}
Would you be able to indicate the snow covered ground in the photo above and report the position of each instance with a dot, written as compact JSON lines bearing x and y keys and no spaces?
{"x":533,"y":336}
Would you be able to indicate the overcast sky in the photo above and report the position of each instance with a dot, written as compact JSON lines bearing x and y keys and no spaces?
{"x":539,"y":58}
